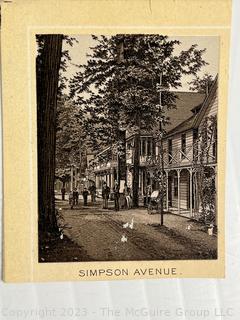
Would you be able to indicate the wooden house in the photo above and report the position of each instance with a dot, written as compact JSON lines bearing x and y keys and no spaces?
{"x":181,"y":146}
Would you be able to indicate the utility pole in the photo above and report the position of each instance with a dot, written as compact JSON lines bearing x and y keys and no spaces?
{"x":160,"y":88}
{"x":160,"y":135}
{"x":161,"y":148}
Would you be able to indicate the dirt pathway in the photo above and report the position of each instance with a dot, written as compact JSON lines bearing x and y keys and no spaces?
{"x":106,"y":235}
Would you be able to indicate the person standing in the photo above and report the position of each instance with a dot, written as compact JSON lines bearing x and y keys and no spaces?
{"x":116,"y":195}
{"x":149,"y":192}
{"x":105,"y":195}
{"x":145,"y":196}
{"x":63,"y":191}
{"x":70,"y":199}
{"x":92,"y":191}
{"x":75,"y":196}
{"x":85,"y":196}
{"x":127,"y":194}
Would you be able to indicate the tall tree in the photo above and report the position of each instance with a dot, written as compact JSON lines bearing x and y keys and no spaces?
{"x":122,"y":79}
{"x":47,"y":69}
{"x":71,"y":138}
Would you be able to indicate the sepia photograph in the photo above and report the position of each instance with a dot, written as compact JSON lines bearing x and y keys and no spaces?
{"x":127,"y":147}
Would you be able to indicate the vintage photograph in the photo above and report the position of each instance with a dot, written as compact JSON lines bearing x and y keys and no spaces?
{"x":127,"y":147}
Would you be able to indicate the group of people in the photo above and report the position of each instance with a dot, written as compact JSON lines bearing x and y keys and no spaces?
{"x":125,"y":195}
{"x":116,"y":195}
{"x":74,"y":195}
{"x":92,"y":191}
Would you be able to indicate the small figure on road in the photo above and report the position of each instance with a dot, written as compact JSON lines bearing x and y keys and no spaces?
{"x":70,"y":199}
{"x":145,"y":197}
{"x":116,"y":195}
{"x":85,"y":196}
{"x":63,"y":191}
{"x":105,"y":195}
{"x":75,"y":196}
{"x":92,"y":190}
{"x":127,"y":194}
{"x":149,"y":192}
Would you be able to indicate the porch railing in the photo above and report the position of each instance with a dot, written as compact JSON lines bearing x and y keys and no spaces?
{"x":178,"y":157}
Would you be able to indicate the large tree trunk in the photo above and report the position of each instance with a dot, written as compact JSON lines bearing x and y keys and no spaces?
{"x":48,"y":65}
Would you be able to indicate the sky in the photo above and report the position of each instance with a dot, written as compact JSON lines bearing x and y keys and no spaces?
{"x":78,"y":53}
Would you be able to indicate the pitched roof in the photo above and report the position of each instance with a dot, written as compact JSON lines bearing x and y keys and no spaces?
{"x":194,"y":120}
{"x":206,"y":102}
{"x":185,"y":102}
{"x":184,"y":126}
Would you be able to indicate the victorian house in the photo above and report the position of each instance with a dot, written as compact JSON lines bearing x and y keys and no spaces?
{"x":182,"y":153}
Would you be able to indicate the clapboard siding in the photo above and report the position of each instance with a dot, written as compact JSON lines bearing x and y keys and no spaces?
{"x":184,"y":191}
{"x":179,"y":159}
{"x":189,"y":152}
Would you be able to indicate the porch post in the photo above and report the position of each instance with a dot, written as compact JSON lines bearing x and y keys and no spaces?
{"x":97,"y":181}
{"x":100,"y":180}
{"x":178,"y":176}
{"x":146,"y":146}
{"x":151,"y":147}
{"x":112,"y":178}
{"x":142,"y":181}
{"x":167,"y":191}
{"x":190,"y":190}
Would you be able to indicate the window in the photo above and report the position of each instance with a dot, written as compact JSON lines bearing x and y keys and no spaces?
{"x":175,"y":185}
{"x":195,"y":135}
{"x":214,"y":146}
{"x":143,"y":147}
{"x":183,"y":146}
{"x":170,"y":150}
{"x":149,"y":141}
{"x":195,"y":144}
{"x":153,"y":148}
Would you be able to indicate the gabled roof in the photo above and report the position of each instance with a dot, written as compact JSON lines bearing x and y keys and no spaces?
{"x":182,"y":127}
{"x":185,"y":102}
{"x":206,"y":103}
{"x":194,"y":120}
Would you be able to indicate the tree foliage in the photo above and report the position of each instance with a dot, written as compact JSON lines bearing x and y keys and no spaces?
{"x":201,"y":84}
{"x":119,"y":86}
{"x":204,"y":173}
{"x":70,"y":138}
{"x":121,"y":79}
